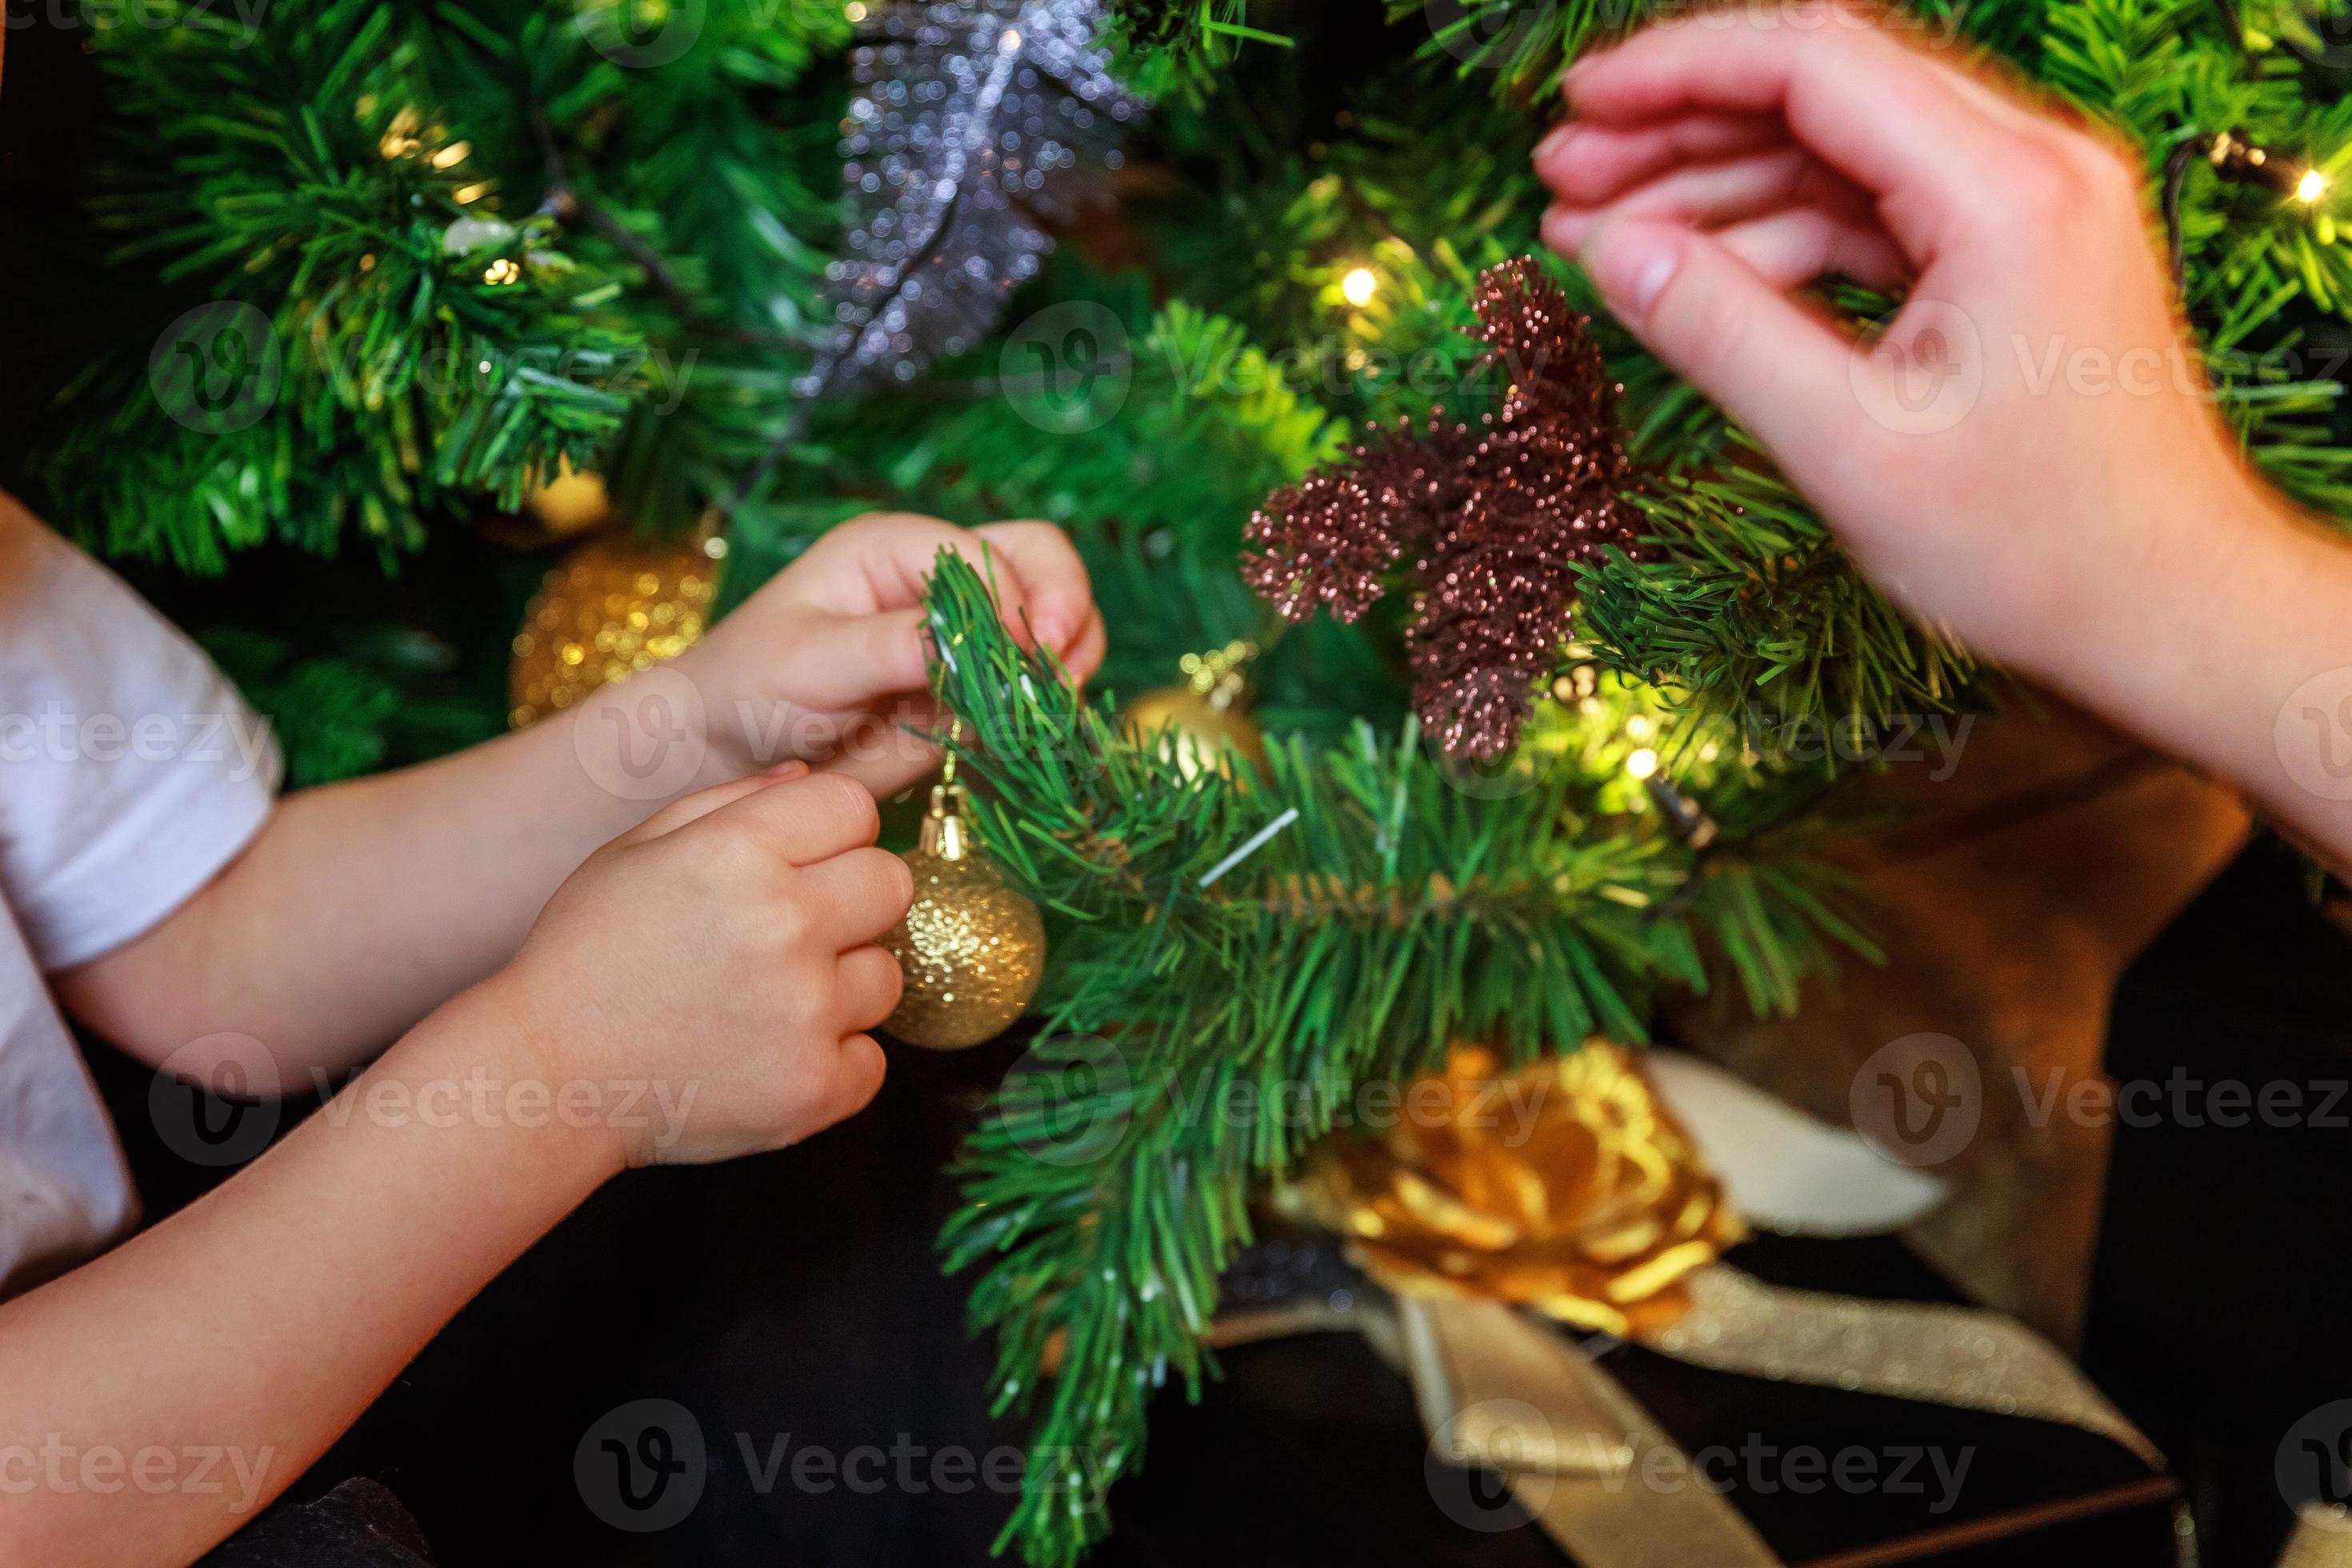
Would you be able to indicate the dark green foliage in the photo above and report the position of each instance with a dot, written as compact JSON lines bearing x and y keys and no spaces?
{"x":1326,"y":958}
{"x":1752,"y":604}
{"x":477,"y":245}
{"x":256,"y":169}
{"x":405,"y":191}
{"x":332,"y":711}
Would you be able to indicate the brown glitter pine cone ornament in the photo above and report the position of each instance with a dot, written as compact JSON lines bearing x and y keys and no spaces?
{"x":1497,"y":516}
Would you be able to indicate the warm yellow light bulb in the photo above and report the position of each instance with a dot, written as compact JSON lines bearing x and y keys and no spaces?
{"x":2311,"y":187}
{"x":1642,"y":763}
{"x":1359,"y":286}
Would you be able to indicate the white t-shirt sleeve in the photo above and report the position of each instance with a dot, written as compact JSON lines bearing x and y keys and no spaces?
{"x":65,"y":1189}
{"x":130,"y":771}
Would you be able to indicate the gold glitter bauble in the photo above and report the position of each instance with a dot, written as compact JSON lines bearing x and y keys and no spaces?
{"x":1202,"y":722}
{"x":613,"y":608}
{"x":971,"y":950}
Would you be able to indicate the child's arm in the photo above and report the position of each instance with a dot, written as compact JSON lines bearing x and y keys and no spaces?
{"x":2028,"y":458}
{"x":257,"y":1323}
{"x":360,"y":906}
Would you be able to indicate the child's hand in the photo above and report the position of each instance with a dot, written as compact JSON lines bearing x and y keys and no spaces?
{"x":720,"y":958}
{"x":2027,"y":459}
{"x":826,"y":664}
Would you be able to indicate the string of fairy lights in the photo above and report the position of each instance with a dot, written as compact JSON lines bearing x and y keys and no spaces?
{"x":1358,"y":284}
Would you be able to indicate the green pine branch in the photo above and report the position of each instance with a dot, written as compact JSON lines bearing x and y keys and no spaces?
{"x":1748,"y":604}
{"x":1288,"y":938}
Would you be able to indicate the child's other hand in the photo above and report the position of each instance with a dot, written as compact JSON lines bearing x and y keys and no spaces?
{"x":713,"y":973}
{"x":2027,"y":459}
{"x":826,"y":664}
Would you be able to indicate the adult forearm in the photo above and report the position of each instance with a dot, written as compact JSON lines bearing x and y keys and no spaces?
{"x":2234,"y":655}
{"x":152,"y":1400}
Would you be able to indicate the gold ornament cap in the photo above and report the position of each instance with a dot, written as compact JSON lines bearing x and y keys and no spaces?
{"x":943,"y":830}
{"x":573,"y":501}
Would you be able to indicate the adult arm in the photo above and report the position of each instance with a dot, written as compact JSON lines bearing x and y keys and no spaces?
{"x":2027,"y":459}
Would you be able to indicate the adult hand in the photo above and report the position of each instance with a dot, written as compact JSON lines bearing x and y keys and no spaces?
{"x":2027,"y":458}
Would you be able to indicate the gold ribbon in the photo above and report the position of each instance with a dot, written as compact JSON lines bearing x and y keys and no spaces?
{"x":1959,"y":1357}
{"x":1500,"y":1390}
{"x":2322,"y":1538}
{"x":1567,"y":1188}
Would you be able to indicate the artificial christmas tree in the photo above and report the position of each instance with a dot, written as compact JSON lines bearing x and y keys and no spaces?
{"x":358,"y":283}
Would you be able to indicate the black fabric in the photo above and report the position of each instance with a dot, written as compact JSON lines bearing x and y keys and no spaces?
{"x":2225,"y":1254}
{"x":360,"y":1524}
{"x":795,"y":1300}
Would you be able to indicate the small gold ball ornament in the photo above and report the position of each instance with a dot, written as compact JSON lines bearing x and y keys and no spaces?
{"x":571,"y":502}
{"x":1202,"y":721}
{"x":614,"y":607}
{"x":970,"y":949}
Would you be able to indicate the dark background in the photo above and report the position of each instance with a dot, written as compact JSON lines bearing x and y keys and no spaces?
{"x":796,"y":1296}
